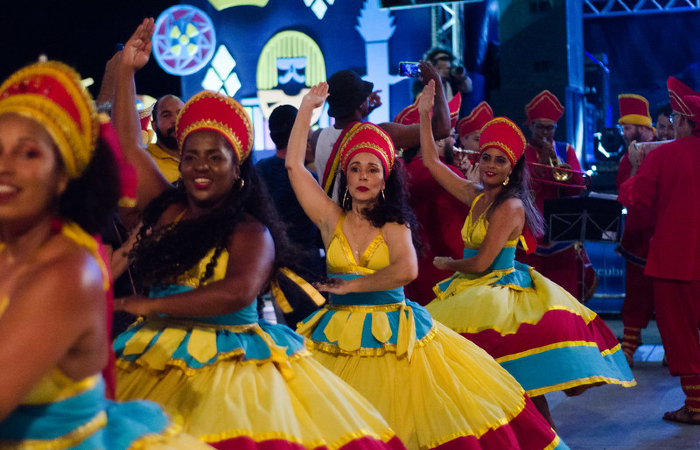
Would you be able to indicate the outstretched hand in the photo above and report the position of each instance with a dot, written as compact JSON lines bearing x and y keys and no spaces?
{"x":333,"y":286}
{"x":427,"y":98}
{"x":135,"y":304}
{"x":440,"y":262}
{"x":137,"y":49}
{"x":316,"y":96}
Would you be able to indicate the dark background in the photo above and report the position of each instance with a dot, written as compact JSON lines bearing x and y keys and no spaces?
{"x":80,"y":33}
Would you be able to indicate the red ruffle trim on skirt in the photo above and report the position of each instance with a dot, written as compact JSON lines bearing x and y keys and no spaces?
{"x":554,"y":327}
{"x":363,"y":443}
{"x":527,"y":431}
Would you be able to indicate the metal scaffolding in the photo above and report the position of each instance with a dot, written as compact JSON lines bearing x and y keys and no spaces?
{"x":446,"y":27}
{"x":611,"y":8}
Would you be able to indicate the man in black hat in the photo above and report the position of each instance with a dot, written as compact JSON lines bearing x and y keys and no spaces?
{"x":351,"y":100}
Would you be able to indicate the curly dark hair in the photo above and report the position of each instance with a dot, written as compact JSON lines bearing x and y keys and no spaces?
{"x":393,"y":207}
{"x":519,"y":187}
{"x":162,"y":255}
{"x":91,"y":200}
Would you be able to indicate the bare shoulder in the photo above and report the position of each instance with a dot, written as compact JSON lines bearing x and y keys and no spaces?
{"x":395,"y":231}
{"x":250,"y":232}
{"x":65,"y":272}
{"x":251,"y":225}
{"x":512,"y":207}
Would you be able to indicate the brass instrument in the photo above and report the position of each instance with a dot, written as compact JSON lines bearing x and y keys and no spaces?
{"x":560,"y":175}
{"x":468,"y":152}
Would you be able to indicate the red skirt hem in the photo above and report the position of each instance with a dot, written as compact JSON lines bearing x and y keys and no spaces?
{"x":248,"y":443}
{"x":527,"y":431}
{"x":554,"y":327}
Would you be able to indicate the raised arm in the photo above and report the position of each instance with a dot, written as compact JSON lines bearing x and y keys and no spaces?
{"x":463,"y":189}
{"x":313,"y":199}
{"x":402,"y":268}
{"x":441,"y":112}
{"x":506,"y":223}
{"x":407,"y":136}
{"x":135,"y":55}
{"x":251,"y":256}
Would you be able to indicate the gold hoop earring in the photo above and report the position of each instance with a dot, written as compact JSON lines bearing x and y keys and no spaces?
{"x":241,"y":184}
{"x":505,"y":182}
{"x":345,"y":199}
{"x":383,"y":197}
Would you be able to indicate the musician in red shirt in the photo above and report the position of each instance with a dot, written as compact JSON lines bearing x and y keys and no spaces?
{"x":556,"y":261}
{"x":667,"y":187}
{"x":638,"y":307}
{"x":469,"y":131}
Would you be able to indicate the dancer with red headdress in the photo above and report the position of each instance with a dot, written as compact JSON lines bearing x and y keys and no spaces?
{"x":59,"y":184}
{"x":535,"y":329}
{"x":436,"y":389}
{"x":206,"y":251}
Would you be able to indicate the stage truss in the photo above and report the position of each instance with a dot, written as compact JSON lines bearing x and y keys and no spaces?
{"x":615,"y":8}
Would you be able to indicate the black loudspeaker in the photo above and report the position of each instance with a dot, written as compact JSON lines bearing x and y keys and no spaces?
{"x":541,"y":47}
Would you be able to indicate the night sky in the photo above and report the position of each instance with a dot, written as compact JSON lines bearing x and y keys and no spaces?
{"x":81,"y":33}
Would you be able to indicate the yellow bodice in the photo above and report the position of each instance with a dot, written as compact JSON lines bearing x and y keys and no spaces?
{"x":56,"y":386}
{"x":473,"y":233}
{"x":341,"y":260}
{"x":193,"y":276}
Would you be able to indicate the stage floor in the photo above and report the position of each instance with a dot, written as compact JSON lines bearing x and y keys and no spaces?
{"x":616,"y":418}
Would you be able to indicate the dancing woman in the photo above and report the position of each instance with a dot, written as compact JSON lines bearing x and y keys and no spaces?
{"x":537,"y":331}
{"x":206,"y":251}
{"x":57,"y":185}
{"x":436,"y":389}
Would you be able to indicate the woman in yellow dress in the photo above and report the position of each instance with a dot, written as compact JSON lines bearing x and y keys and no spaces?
{"x":206,"y":251}
{"x":537,"y":331}
{"x":436,"y":389}
{"x":58,"y":183}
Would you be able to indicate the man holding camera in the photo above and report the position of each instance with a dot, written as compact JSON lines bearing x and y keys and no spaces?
{"x":453,"y":79}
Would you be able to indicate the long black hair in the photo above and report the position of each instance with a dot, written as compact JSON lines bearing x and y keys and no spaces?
{"x":519,"y":187}
{"x":162,"y":255}
{"x":91,"y":200}
{"x":391,"y":207}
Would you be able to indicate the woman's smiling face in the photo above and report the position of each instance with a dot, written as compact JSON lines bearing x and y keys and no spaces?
{"x":494,"y":167}
{"x":32,"y":176}
{"x":209,"y":168}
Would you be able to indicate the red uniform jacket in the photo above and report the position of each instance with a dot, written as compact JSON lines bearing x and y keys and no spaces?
{"x":441,"y":217}
{"x":667,"y":187}
{"x":634,"y":245}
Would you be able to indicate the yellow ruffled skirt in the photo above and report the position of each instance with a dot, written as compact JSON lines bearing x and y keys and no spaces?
{"x":434,"y":387}
{"x":535,"y":329}
{"x":247,"y":389}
